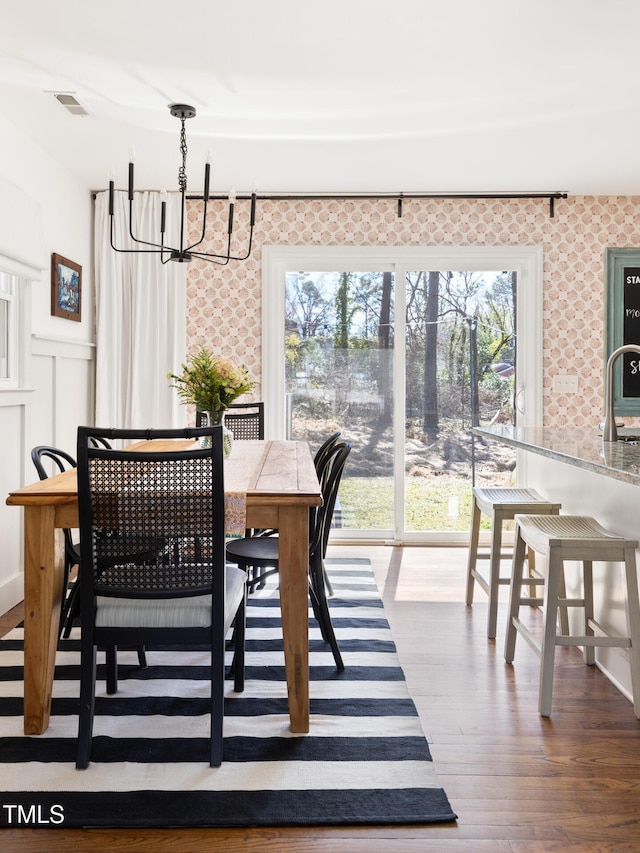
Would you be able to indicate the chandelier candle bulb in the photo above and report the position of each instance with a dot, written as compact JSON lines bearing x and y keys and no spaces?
{"x":232,"y":202}
{"x":163,"y":210}
{"x":207,"y":170}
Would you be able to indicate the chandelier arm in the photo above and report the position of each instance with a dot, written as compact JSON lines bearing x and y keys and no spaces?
{"x":158,"y":246}
{"x":209,"y":256}
{"x":140,"y":251}
{"x":132,"y":251}
{"x":204,"y":228}
{"x":229,"y":256}
{"x":203,"y":256}
{"x":182,"y":217}
{"x":244,"y":257}
{"x":156,"y":250}
{"x":252,"y":222}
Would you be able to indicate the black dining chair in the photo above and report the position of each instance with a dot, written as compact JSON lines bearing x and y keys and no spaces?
{"x":100,"y":441}
{"x":261,"y":552}
{"x":60,"y":460}
{"x":70,"y":605}
{"x":320,"y":463}
{"x":245,"y":420}
{"x":184,"y":594}
{"x":324,"y":451}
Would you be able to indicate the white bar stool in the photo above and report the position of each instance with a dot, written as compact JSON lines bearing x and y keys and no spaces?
{"x":500,"y":505}
{"x":582,"y":539}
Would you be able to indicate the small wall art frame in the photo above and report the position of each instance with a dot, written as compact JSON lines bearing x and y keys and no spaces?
{"x":66,"y":288}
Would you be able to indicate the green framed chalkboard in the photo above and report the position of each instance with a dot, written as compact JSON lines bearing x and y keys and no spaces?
{"x":623,"y":325}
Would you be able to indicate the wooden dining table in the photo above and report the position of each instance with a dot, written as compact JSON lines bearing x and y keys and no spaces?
{"x":279,"y":491}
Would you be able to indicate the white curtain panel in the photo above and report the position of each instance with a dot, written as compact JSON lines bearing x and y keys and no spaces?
{"x":140,"y":316}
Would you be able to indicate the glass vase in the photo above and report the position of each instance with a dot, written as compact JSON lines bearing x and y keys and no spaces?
{"x":217,"y":419}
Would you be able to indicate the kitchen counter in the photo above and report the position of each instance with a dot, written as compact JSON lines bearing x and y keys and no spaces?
{"x":574,"y":467}
{"x":582,"y":447}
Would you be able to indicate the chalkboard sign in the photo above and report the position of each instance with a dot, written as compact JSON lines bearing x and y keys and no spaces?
{"x":631,"y":330}
{"x":623,"y":325}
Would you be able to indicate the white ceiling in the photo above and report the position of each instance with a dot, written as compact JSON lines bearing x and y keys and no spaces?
{"x":334,"y":96}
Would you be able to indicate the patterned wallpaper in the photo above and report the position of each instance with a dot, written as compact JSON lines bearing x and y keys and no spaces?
{"x":224,"y":303}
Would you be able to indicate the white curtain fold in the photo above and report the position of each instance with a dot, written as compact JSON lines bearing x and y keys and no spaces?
{"x":140,"y":316}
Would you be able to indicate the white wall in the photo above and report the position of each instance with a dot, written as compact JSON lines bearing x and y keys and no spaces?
{"x":614,"y":504}
{"x":57,"y":392}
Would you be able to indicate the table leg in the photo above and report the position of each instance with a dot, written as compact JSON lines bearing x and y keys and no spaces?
{"x":43,"y":577}
{"x":294,"y":602}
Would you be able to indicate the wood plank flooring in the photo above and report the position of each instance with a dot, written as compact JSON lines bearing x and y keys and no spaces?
{"x":519,"y":783}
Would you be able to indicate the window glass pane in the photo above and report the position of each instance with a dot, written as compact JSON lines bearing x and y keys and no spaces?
{"x":460,"y":372}
{"x":4,"y":339}
{"x":7,"y":282}
{"x":8,"y":325}
{"x":338,"y":363}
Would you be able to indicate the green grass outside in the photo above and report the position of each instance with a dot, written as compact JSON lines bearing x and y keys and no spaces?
{"x":367,"y":503}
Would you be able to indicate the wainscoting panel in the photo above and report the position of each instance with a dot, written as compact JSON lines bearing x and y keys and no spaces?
{"x":62,"y":374}
{"x":59,"y":397}
{"x":11,"y":475}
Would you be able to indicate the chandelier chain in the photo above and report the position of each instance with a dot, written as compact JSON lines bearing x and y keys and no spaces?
{"x":182,"y":171}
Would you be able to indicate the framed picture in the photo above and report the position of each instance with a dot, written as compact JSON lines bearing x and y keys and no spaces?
{"x":66,"y":288}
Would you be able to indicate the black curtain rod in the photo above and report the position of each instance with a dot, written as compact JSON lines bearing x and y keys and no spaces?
{"x":363,"y":195}
{"x":400,"y":197}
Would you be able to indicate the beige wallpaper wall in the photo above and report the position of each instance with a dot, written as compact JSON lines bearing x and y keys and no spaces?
{"x":224,"y":303}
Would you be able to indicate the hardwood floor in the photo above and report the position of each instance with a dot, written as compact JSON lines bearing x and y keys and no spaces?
{"x":519,"y":783}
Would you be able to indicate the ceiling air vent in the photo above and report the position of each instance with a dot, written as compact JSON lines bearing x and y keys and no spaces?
{"x":70,"y":103}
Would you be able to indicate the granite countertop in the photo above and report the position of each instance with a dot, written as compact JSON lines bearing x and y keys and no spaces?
{"x":582,"y":447}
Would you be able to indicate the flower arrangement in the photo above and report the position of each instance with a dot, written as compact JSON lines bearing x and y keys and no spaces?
{"x":211,"y":383}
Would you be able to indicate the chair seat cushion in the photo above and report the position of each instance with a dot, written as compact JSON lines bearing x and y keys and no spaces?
{"x":189,"y":612}
{"x":254,"y":550}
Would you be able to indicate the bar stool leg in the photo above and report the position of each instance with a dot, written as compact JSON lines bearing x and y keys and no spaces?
{"x":563,"y":616}
{"x":494,"y":573}
{"x":473,"y":549}
{"x":531,"y":562}
{"x":633,"y":622}
{"x":587,"y":580}
{"x":515,"y":595}
{"x":548,"y":646}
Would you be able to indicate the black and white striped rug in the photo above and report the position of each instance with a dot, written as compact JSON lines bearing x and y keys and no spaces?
{"x":365,"y":761}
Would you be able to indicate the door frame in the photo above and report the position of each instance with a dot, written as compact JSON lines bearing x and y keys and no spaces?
{"x":526,"y":260}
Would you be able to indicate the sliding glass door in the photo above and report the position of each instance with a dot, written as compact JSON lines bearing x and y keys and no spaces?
{"x":403,"y":351}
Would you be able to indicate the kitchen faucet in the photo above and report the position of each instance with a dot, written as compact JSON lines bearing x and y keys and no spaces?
{"x":609,"y":431}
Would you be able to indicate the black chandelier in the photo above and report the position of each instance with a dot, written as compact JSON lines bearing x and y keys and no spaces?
{"x":183,"y":254}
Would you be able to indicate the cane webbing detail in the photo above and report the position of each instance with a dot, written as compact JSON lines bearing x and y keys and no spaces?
{"x":153,"y":525}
